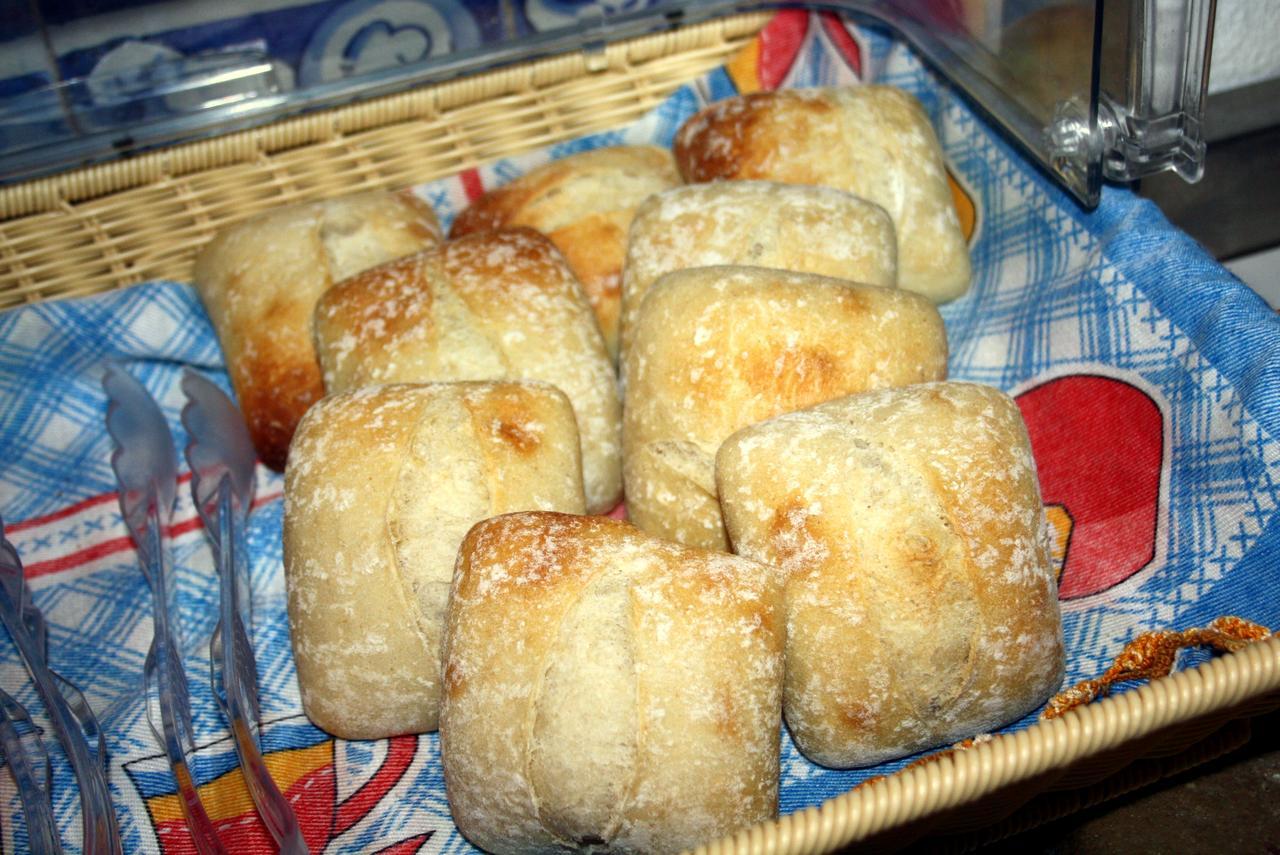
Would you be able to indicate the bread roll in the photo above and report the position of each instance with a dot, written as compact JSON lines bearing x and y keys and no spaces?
{"x":758,"y":223}
{"x":873,"y":141}
{"x":607,"y":691}
{"x":584,"y":203}
{"x":260,"y":279}
{"x":382,"y":485}
{"x":921,"y":603}
{"x":720,"y":348}
{"x":491,"y":306}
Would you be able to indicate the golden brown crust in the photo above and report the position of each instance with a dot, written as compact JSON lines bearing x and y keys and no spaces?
{"x":720,"y":142}
{"x":596,"y":247}
{"x":260,"y":279}
{"x":366,"y":295}
{"x":508,"y":204}
{"x":606,"y":688}
{"x":382,"y":485}
{"x":584,"y":203}
{"x":493,"y":264}
{"x":274,"y":393}
{"x":488,"y":306}
{"x":719,"y":348}
{"x":908,"y":525}
{"x":873,"y":141}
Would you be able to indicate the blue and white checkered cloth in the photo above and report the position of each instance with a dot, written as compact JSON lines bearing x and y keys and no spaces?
{"x":1058,"y":293}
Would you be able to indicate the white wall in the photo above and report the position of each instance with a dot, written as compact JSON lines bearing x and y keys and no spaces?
{"x":1246,"y":44}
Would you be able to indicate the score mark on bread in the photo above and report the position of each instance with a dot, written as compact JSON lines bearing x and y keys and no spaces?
{"x":489,"y":306}
{"x":907,"y":524}
{"x":610,"y":689}
{"x":873,"y":141}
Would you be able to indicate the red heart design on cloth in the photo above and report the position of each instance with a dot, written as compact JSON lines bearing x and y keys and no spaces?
{"x":1099,"y":449}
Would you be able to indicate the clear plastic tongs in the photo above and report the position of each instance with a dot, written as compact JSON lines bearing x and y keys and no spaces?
{"x":72,"y":720}
{"x":221,"y":460}
{"x":145,"y":467}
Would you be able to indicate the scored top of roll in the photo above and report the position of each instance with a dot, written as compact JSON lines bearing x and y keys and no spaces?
{"x":583,"y":202}
{"x":874,"y":141}
{"x":921,"y":601}
{"x":606,"y":690}
{"x":803,"y":228}
{"x":490,"y":306}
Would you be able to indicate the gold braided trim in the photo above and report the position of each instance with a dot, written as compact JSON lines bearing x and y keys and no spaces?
{"x":1152,"y":655}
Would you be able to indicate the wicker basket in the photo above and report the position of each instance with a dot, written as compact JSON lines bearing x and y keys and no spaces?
{"x":117,"y":224}
{"x":146,"y":218}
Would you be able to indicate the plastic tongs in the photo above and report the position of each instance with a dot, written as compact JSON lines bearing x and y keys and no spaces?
{"x":28,"y":762}
{"x":221,"y":458}
{"x":144,"y":463}
{"x":73,"y":723}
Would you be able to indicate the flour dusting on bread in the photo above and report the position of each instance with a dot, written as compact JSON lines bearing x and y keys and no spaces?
{"x":720,"y":348}
{"x":908,"y":523}
{"x":382,"y":485}
{"x":606,"y":689}
{"x":489,"y":306}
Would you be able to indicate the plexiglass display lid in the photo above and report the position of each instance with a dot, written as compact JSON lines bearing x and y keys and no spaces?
{"x":1093,"y":90}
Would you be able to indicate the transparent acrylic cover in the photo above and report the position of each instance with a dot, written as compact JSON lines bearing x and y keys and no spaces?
{"x":1091,"y":89}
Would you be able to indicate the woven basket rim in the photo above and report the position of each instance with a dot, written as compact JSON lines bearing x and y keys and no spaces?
{"x":1216,"y":686}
